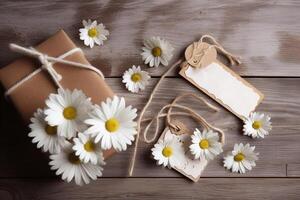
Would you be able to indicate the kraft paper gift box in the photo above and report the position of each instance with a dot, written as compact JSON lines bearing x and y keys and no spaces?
{"x":31,"y":95}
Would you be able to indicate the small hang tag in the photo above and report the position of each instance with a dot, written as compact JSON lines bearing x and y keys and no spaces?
{"x":200,"y":54}
{"x":188,"y":166}
{"x":218,"y":81}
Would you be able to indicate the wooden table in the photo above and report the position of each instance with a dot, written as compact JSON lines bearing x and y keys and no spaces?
{"x":265,"y":33}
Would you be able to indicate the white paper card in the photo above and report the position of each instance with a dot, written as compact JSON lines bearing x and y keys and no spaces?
{"x":188,"y":166}
{"x":227,"y":88}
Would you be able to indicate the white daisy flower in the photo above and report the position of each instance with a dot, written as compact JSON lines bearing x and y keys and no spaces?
{"x":242,"y":158}
{"x":45,"y":135}
{"x":67,"y":110}
{"x":205,"y":144}
{"x":167,"y":152}
{"x":93,"y":33}
{"x":257,"y":125}
{"x":112,"y":124}
{"x":156,"y":51}
{"x":135,"y":79}
{"x":87,"y":149}
{"x":69,"y":166}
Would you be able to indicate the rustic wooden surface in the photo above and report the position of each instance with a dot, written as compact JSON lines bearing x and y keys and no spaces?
{"x":265,"y":33}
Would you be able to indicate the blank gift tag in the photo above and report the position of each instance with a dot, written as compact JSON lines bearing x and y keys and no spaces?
{"x":219,"y":82}
{"x":188,"y":166}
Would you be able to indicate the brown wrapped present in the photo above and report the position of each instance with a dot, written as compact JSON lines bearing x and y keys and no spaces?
{"x":31,"y":95}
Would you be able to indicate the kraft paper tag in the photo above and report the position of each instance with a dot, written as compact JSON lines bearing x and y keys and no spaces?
{"x":188,"y":167}
{"x":200,"y":54}
{"x":218,"y":81}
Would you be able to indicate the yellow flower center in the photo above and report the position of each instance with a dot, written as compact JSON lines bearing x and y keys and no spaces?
{"x":136,"y":77}
{"x":93,"y":32}
{"x":156,"y":51}
{"x":256,"y":125}
{"x":51,"y":130}
{"x":89,"y":146}
{"x":239,"y":157}
{"x":73,"y":158}
{"x":70,"y":113}
{"x":112,"y":125}
{"x":204,"y":144}
{"x":167,"y":151}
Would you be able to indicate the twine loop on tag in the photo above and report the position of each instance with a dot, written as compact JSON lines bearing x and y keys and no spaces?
{"x":47,"y":65}
{"x":213,"y":43}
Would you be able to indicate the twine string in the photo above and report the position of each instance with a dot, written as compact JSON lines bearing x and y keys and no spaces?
{"x":232,"y":58}
{"x":198,"y":98}
{"x":132,"y":162}
{"x":189,"y":112}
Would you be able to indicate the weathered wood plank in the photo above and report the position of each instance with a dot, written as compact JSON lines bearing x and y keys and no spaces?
{"x":293,"y":169}
{"x":265,"y":33}
{"x":19,"y":158}
{"x":152,"y":188}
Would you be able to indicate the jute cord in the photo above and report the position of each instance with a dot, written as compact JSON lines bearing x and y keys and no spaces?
{"x":190,"y":113}
{"x":214,"y":44}
{"x":132,"y":162}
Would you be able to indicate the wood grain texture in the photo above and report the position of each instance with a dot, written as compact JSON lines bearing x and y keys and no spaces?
{"x":293,"y":169}
{"x":265,"y":33}
{"x":284,"y":139}
{"x":153,"y":188}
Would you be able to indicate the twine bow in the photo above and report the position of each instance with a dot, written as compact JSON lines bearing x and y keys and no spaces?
{"x":47,"y":65}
